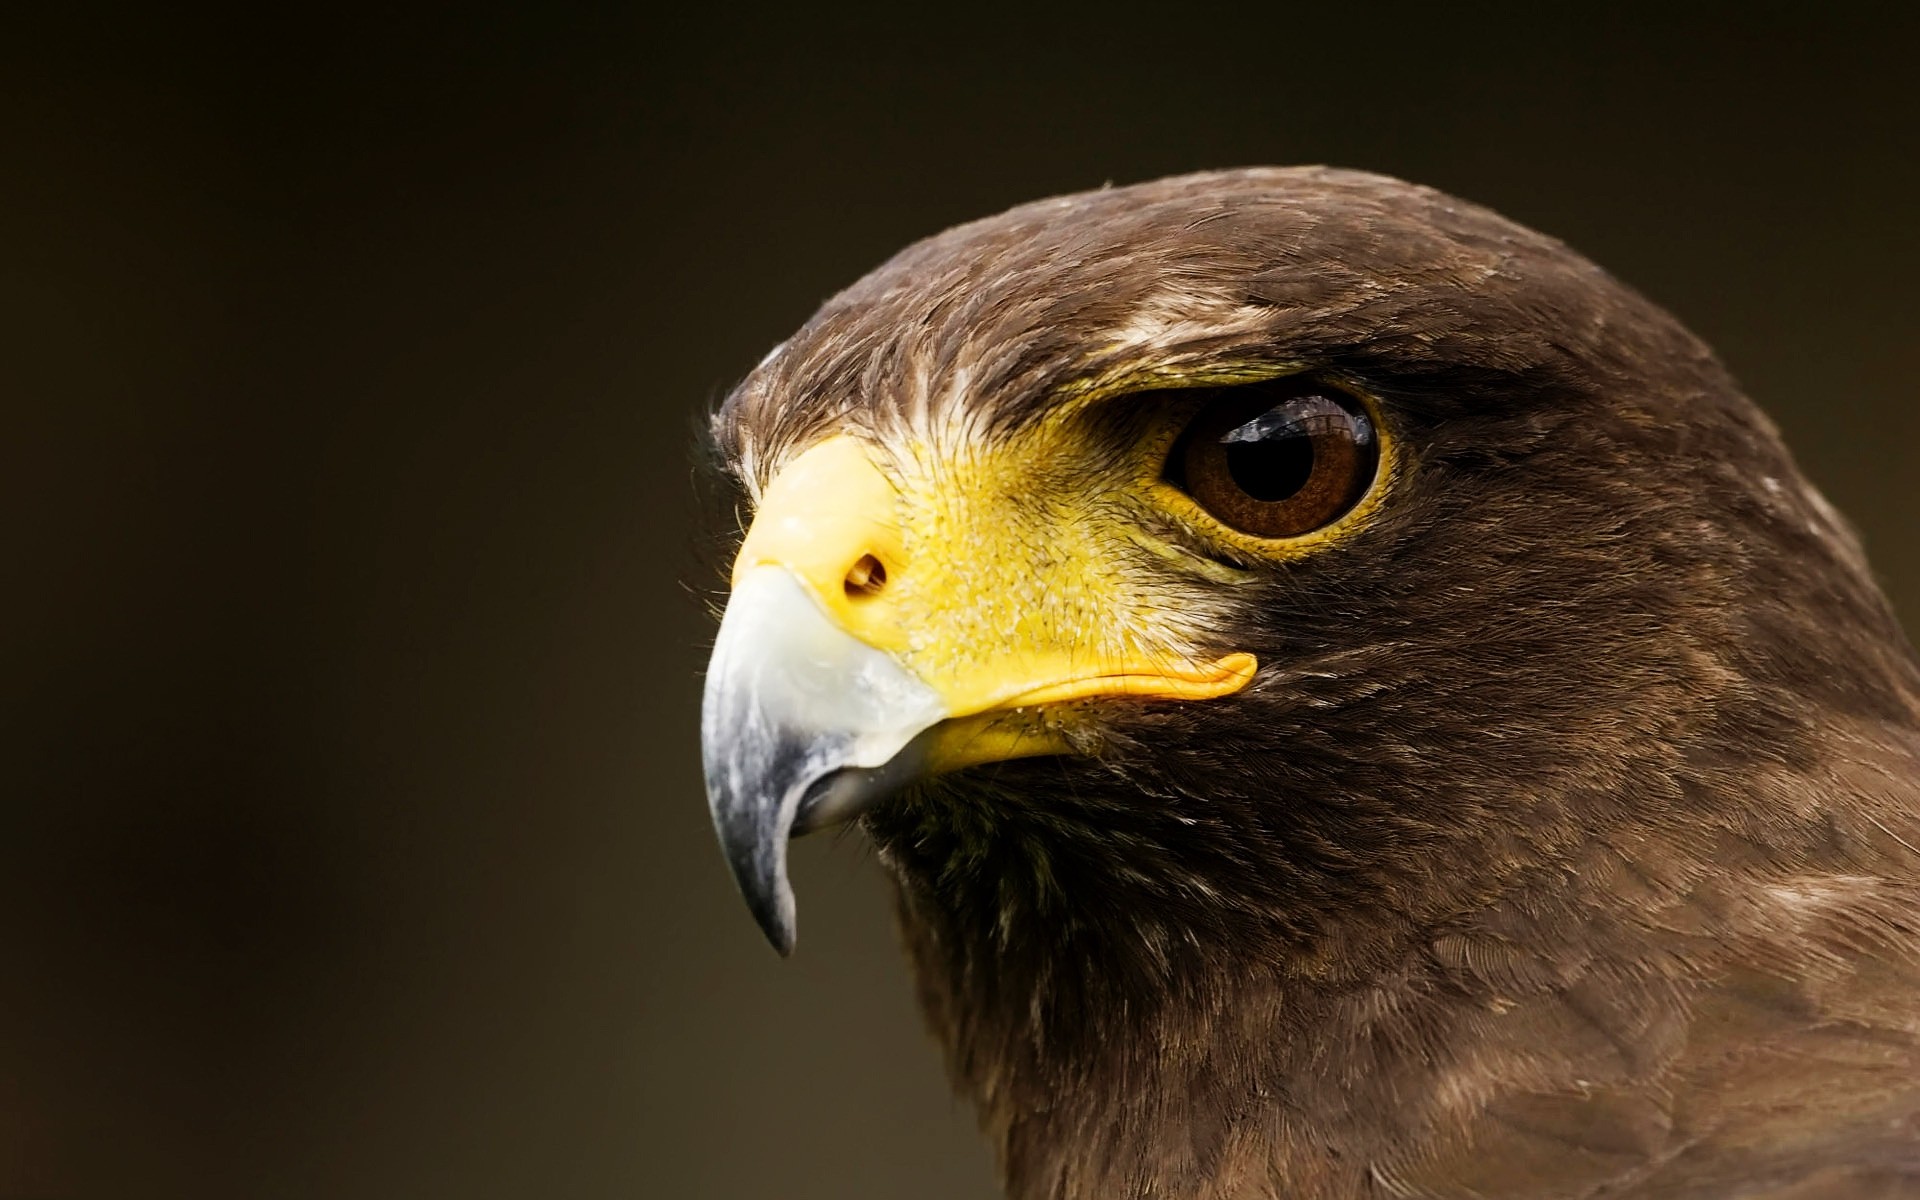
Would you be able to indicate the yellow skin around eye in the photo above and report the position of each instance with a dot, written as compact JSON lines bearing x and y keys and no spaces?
{"x":1021,"y":575}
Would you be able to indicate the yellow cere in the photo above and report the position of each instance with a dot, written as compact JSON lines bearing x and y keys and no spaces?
{"x":1012,"y":576}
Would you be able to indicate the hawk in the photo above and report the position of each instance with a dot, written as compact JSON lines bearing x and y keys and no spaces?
{"x":1353,"y":700}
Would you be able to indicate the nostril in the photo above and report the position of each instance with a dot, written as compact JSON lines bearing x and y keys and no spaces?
{"x":866,"y":578}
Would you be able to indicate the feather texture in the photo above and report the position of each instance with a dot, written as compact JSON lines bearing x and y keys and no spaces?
{"x":1566,"y":844}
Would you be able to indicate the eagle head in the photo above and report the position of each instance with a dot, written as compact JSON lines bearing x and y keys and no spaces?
{"x":1266,"y":621}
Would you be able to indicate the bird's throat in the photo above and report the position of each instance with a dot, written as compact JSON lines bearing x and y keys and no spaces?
{"x":1106,"y":1070}
{"x":1118,"y":1045}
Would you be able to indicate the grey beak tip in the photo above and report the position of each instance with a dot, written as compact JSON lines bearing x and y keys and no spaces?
{"x":770,"y":899}
{"x":755,"y":843}
{"x":755,"y":830}
{"x":776,"y":924}
{"x":780,"y":938}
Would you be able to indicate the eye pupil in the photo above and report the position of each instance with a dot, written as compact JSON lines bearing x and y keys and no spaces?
{"x":1278,"y":459}
{"x":1272,"y":469}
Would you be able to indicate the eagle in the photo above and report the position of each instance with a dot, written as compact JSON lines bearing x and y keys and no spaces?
{"x":1352,"y":699}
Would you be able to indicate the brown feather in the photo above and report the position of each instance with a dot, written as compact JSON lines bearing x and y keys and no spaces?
{"x":1567,"y":847}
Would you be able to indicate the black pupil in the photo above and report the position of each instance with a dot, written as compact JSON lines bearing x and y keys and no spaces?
{"x":1274,"y":468}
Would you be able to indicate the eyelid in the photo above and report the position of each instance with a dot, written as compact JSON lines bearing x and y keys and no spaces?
{"x":1308,"y":414}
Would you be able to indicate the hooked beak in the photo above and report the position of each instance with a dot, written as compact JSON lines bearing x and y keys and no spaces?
{"x":803,"y":726}
{"x":847,"y":666}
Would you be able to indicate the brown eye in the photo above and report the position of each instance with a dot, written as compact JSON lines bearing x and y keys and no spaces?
{"x":1277,"y":460}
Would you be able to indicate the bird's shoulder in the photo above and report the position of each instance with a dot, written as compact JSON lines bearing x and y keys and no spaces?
{"x":1747,"y":1031}
{"x":1767,"y":1086}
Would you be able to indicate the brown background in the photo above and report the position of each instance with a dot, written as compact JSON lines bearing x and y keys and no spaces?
{"x":352,"y":840}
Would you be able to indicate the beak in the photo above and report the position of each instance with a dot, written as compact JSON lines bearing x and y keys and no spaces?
{"x":846,"y":666}
{"x":803,"y":725}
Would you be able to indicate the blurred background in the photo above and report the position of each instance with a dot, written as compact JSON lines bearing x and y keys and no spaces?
{"x":352,"y":841}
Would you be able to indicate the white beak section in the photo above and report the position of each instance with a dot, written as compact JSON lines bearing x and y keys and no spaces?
{"x":797,"y":711}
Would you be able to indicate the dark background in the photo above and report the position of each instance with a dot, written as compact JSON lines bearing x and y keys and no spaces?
{"x":352,"y":840}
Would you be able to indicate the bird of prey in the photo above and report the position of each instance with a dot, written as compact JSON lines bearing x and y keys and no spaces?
{"x":1353,"y":701}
